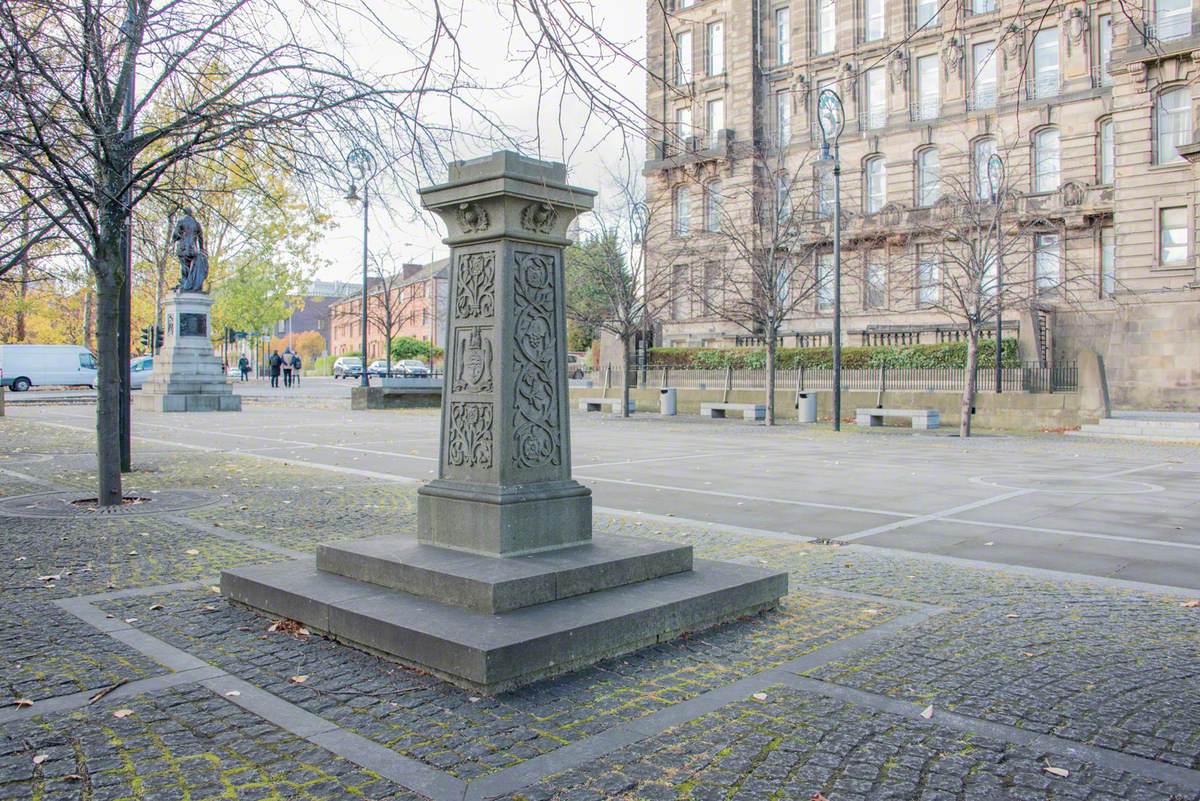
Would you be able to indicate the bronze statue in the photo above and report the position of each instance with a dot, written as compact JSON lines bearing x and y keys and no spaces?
{"x":189,"y":248}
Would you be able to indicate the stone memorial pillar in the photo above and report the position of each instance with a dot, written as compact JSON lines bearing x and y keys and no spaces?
{"x":504,"y":482}
{"x":503,"y":583}
{"x":187,"y":376}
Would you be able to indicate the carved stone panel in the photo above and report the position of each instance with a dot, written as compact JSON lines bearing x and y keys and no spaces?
{"x":475,"y":286}
{"x":536,"y":426}
{"x":470,"y":435}
{"x":473,"y":368}
{"x":193,"y":325}
{"x":539,"y":217}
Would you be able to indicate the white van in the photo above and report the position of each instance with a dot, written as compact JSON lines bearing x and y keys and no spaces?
{"x":23,"y":366}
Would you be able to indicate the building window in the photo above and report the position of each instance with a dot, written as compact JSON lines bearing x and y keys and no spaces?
{"x":1104,"y":54}
{"x":679,"y":292}
{"x":981,"y":152}
{"x":929,"y":277}
{"x":875,"y":93}
{"x":826,"y":26}
{"x":713,"y":296}
{"x":929,"y":177}
{"x":824,"y":192}
{"x":983,"y":59}
{"x":1046,"y":261}
{"x":714,"y":113}
{"x":875,"y":188}
{"x":783,"y":117}
{"x":713,"y":206}
{"x":683,"y":124}
{"x":825,"y":282}
{"x":783,"y":197}
{"x":1108,"y":260}
{"x":1045,"y":64}
{"x":783,"y":36}
{"x":988,"y":285}
{"x":1172,"y":19}
{"x":929,"y":91}
{"x":686,"y":3}
{"x":983,"y":6}
{"x":876,"y":289}
{"x":1172,"y":235}
{"x":683,"y":211}
{"x":716,"y":48}
{"x":1107,"y":152}
{"x":876,"y":20}
{"x":927,"y":13}
{"x":1046,"y":168}
{"x":1173,"y":124}
{"x":683,"y":56}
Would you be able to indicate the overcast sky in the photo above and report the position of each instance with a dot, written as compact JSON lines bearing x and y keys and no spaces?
{"x":562,"y":134}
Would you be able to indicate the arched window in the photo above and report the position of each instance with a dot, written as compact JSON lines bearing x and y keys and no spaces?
{"x":981,"y":152}
{"x":712,"y":206}
{"x":874,"y":184}
{"x":683,"y":211}
{"x":1172,"y":123}
{"x":1106,"y":152}
{"x":1047,"y":171}
{"x":929,"y":177}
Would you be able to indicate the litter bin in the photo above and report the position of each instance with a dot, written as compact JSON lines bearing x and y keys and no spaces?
{"x":806,"y":406}
{"x":667,"y":399}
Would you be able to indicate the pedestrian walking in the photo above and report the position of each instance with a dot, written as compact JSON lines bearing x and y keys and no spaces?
{"x":244,"y":367}
{"x":297,"y":363}
{"x":276,"y":364}
{"x":289,"y":361}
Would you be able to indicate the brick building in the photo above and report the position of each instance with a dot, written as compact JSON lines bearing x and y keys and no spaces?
{"x":419,"y":296}
{"x":1093,"y":112}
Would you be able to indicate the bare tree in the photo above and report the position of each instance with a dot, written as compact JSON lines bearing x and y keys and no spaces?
{"x":81,"y":150}
{"x":983,"y":248}
{"x":389,"y":299}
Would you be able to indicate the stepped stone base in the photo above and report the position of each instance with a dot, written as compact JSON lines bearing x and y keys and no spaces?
{"x":187,"y":376}
{"x":493,"y":653}
{"x":200,"y":402}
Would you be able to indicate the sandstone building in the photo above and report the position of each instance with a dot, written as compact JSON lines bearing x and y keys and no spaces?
{"x":1091,"y":104}
{"x":418,"y":303}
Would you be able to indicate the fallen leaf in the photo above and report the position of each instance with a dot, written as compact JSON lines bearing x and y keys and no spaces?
{"x":759,"y":696}
{"x":1062,"y":773}
{"x":927,"y":712}
{"x":1011,"y":615}
{"x":132,"y":553}
{"x":52,"y":577}
{"x":233,"y":693}
{"x":72,"y":777}
{"x":155,"y":607}
{"x":989,"y":543}
{"x":22,"y":702}
{"x":192,"y":552}
{"x":299,"y":679}
{"x":122,"y":713}
{"x":96,"y":696}
{"x":40,"y":758}
{"x":208,"y":608}
{"x":871,"y":611}
{"x":131,"y":620}
{"x":1190,"y":604}
{"x":215,"y":589}
{"x":819,"y":797}
{"x":1027,"y":653}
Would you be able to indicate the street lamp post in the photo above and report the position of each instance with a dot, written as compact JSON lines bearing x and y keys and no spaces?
{"x":833,"y":120}
{"x":995,"y":169}
{"x":360,"y":163}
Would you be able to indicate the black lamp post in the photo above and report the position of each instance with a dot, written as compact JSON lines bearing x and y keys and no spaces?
{"x":832,"y":118}
{"x":360,"y":163}
{"x":995,"y":171}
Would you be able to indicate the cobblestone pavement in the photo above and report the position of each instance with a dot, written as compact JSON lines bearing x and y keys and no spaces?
{"x":1040,"y":686}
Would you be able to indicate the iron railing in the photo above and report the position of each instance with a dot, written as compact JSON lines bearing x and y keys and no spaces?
{"x":1169,"y":27}
{"x":1043,"y":86}
{"x":927,"y":108}
{"x":1062,"y":377}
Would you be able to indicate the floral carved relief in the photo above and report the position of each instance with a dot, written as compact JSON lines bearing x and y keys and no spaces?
{"x":536,"y":427}
{"x":470,"y":434}
{"x":475,"y":286}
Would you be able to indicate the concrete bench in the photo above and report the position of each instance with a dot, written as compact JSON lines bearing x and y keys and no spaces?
{"x":750,"y":412}
{"x":921,"y":418}
{"x":598,"y":404}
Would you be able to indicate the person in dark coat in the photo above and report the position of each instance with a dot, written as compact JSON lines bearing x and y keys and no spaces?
{"x":289,"y":362}
{"x":244,"y":366}
{"x":297,"y":363}
{"x":276,"y":364}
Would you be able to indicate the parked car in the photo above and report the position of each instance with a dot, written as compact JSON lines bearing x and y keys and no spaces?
{"x":411,"y":368}
{"x":347,"y":367}
{"x":233,"y":372}
{"x":24,"y":366}
{"x":140,"y":370}
{"x":575,"y":365}
{"x":378,"y":368}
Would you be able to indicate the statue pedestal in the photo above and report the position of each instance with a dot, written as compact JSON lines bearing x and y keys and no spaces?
{"x":503,"y":583}
{"x":187,"y":376}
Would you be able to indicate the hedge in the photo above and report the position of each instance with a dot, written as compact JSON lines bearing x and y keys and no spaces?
{"x":942,"y":354}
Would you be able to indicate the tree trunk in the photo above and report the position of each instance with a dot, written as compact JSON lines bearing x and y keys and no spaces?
{"x":625,"y":377}
{"x":770,"y":420}
{"x":968,"y":396}
{"x":109,"y":278}
{"x":21,"y":329}
{"x":89,"y":322}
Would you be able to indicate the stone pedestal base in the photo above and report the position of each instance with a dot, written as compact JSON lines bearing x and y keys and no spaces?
{"x":187,"y":376}
{"x":492,"y":624}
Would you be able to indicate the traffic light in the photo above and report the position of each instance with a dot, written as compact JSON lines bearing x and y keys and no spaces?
{"x":158,"y":338}
{"x":147,"y":332}
{"x":152,"y":332}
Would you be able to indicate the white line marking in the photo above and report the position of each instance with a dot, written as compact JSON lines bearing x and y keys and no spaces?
{"x":655,"y":459}
{"x":1069,"y":533}
{"x":913,"y":521}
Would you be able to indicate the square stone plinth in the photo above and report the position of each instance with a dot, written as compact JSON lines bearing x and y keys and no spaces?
{"x":490,"y":584}
{"x":191,"y":402}
{"x":496,"y":653}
